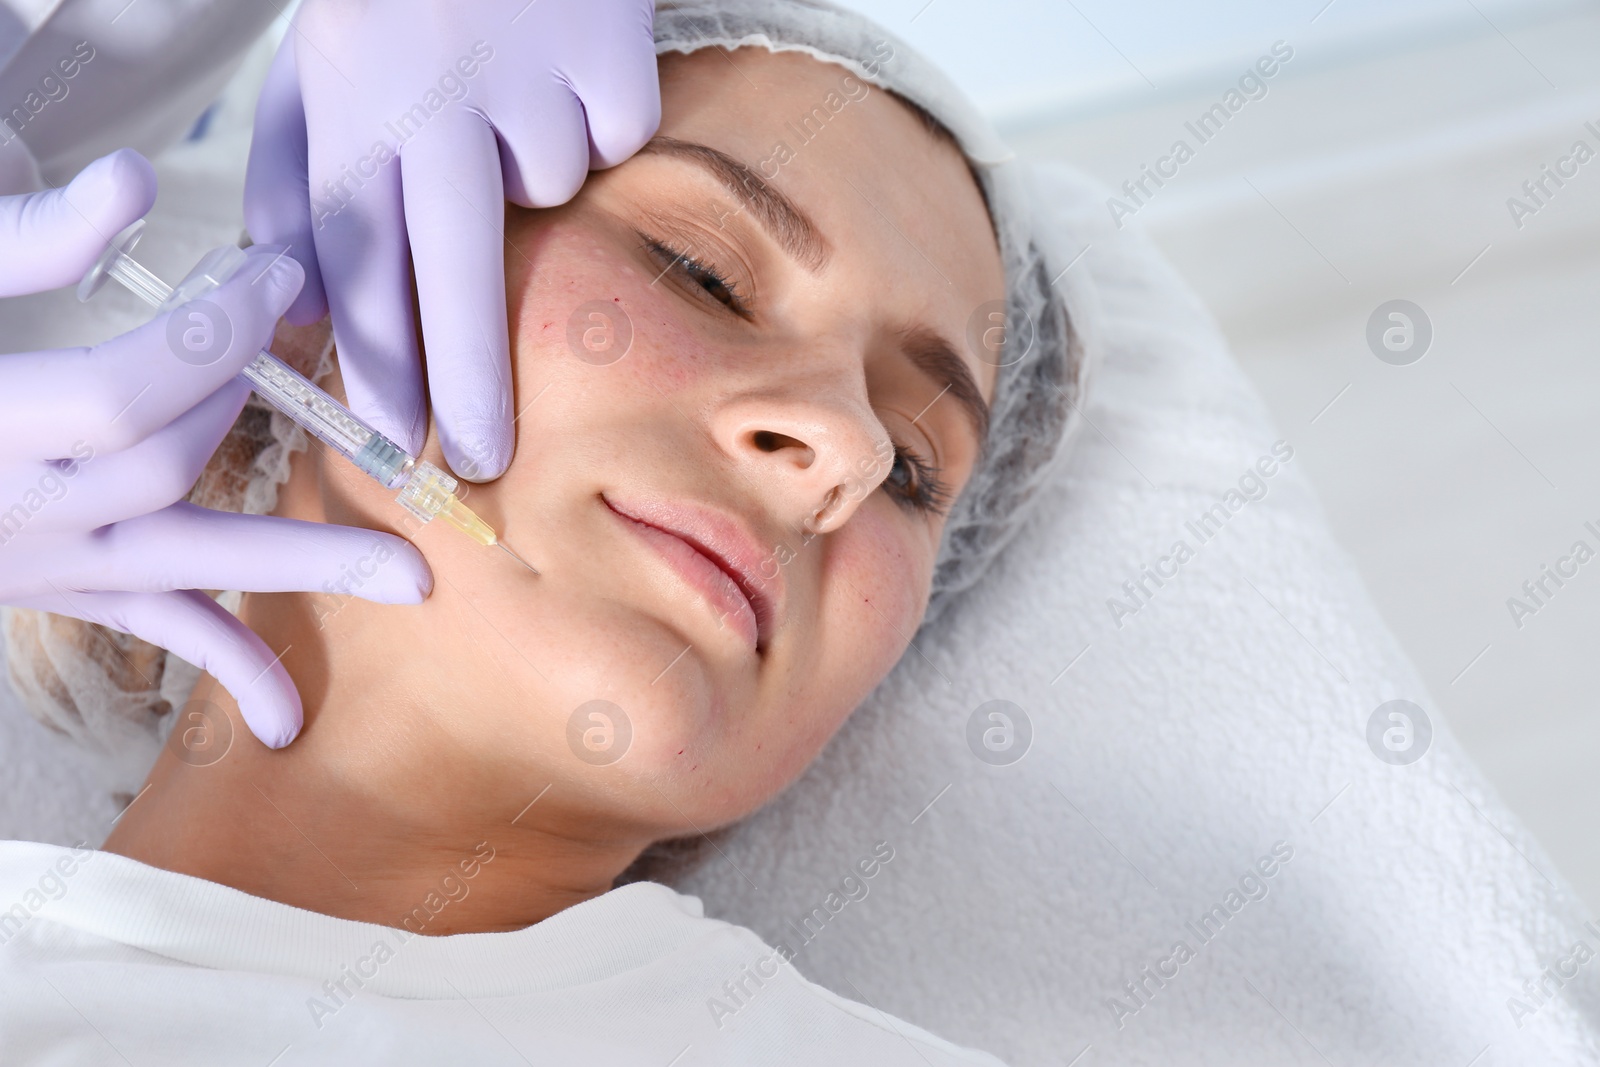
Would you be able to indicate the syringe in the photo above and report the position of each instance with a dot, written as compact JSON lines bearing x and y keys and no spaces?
{"x":425,"y":490}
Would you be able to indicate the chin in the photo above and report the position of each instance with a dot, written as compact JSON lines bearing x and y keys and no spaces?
{"x":628,"y":696}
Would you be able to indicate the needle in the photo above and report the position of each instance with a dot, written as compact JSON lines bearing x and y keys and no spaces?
{"x":502,"y":546}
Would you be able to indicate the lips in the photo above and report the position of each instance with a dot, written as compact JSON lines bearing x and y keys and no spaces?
{"x":716,"y":555}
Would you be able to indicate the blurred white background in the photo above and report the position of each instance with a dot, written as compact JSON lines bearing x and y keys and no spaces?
{"x":1378,"y":166}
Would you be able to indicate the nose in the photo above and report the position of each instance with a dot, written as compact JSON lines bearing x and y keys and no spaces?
{"x":815,"y":448}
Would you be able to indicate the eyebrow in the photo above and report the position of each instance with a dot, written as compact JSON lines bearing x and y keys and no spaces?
{"x":934,"y":356}
{"x":783,"y":220}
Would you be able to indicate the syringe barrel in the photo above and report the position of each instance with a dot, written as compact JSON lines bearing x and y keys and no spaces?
{"x":328,"y":420}
{"x":279,"y":384}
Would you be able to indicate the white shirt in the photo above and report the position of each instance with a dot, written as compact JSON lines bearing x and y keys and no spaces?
{"x":105,"y":959}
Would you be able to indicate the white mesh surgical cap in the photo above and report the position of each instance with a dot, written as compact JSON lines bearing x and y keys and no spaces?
{"x":1042,"y":362}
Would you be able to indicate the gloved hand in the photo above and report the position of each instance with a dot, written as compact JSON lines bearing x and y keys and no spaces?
{"x":99,"y":445}
{"x":418,"y":119}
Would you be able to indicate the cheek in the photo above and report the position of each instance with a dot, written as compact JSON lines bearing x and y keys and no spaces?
{"x":875,"y":590}
{"x":871,"y":594}
{"x":592,"y":312}
{"x":889,"y":567}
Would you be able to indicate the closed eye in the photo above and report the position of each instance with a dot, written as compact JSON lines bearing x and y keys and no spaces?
{"x":698,"y":274}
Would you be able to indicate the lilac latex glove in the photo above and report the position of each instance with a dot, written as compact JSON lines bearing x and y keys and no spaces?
{"x":98,"y":446}
{"x":418,"y":119}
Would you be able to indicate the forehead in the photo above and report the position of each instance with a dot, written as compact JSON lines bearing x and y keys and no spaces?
{"x":901,"y":213}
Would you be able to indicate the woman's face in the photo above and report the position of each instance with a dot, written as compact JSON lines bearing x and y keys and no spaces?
{"x":745,"y":402}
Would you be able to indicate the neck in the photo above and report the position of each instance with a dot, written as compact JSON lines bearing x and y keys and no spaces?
{"x":374,"y":813}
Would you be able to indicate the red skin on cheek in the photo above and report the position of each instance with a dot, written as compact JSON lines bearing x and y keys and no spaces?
{"x":664,"y":352}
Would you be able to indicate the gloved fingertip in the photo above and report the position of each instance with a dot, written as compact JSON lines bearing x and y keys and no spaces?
{"x":478,"y":458}
{"x":483,"y":467}
{"x":282,"y":740}
{"x":270,"y":726}
{"x":405,"y":579}
{"x":402,"y":419}
{"x":309,"y":307}
{"x":123,"y":178}
{"x":284,"y":274}
{"x":311,"y":302}
{"x":131,"y":165}
{"x":271,"y":708}
{"x":614,"y":137}
{"x":414,"y":437}
{"x":279,"y":734}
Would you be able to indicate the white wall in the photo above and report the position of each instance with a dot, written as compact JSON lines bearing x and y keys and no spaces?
{"x":1022,"y":58}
